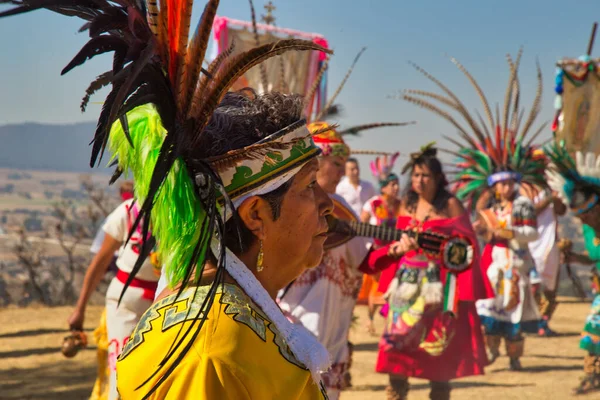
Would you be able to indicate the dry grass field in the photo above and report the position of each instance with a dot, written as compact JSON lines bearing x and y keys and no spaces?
{"x":32,"y":366}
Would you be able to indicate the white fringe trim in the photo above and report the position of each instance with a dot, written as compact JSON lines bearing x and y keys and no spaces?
{"x":302,"y":342}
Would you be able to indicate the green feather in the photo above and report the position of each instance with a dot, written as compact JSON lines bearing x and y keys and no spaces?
{"x":474,"y":186}
{"x":176,"y":210}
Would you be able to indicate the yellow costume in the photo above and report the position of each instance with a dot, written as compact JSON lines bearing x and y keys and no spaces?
{"x":243,"y":356}
{"x":100,"y":390}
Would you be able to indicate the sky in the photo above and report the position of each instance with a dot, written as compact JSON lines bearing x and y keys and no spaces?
{"x":35,"y":47}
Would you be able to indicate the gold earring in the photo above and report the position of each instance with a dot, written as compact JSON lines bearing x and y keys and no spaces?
{"x":259,"y":260}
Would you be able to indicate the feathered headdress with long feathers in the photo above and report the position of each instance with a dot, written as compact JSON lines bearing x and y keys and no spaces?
{"x":493,"y":149}
{"x":155,"y":62}
{"x":153,"y":120}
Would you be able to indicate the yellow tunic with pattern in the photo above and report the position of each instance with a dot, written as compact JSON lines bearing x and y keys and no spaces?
{"x":238,"y":354}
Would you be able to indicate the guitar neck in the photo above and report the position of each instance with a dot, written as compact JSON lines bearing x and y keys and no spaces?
{"x":376,"y":232}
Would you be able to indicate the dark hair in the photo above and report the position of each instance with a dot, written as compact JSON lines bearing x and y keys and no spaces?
{"x":352,"y":160}
{"x":442,"y":195}
{"x":243,"y":118}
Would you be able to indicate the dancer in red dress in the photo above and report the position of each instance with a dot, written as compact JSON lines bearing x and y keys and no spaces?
{"x":430,"y":333}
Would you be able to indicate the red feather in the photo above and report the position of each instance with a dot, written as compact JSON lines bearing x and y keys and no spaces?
{"x":173,"y":19}
{"x":491,"y":151}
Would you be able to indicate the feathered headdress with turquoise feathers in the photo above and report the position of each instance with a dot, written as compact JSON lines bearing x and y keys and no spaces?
{"x":493,"y":149}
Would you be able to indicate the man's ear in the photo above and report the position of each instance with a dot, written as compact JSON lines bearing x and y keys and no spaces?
{"x":253,"y":213}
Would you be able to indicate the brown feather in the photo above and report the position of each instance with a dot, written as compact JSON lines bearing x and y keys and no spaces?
{"x":97,"y":84}
{"x":483,"y":124}
{"x":341,"y":86}
{"x":315,"y":85}
{"x":441,"y":113}
{"x":359,"y":128}
{"x":453,"y":141}
{"x":152,"y":15}
{"x":435,"y":96}
{"x":324,"y":129}
{"x":452,"y":153}
{"x":183,"y":69}
{"x":371,"y":153}
{"x":497,"y":115}
{"x":238,"y":66}
{"x":535,"y":107}
{"x":508,"y":101}
{"x":461,"y":108}
{"x":196,"y":52}
{"x":517,"y":122}
{"x":258,"y":151}
{"x":283,"y":86}
{"x":516,"y":93}
{"x":486,"y":105}
{"x":163,"y":33}
{"x":537,"y":133}
{"x":263,"y":69}
{"x":212,"y":68}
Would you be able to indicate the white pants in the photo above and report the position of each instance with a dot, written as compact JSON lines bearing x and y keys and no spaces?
{"x":120,"y":322}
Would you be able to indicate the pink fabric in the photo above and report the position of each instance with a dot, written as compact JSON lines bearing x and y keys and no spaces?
{"x":321,"y":41}
{"x":219,"y":26}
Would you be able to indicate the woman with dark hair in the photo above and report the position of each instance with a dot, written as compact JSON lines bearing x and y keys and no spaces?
{"x":429,"y":333}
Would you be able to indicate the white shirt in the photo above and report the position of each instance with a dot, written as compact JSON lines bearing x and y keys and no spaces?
{"x":355,"y":196}
{"x":98,"y":240}
{"x":117,"y":225}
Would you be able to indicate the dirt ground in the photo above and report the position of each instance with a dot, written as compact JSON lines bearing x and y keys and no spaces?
{"x":32,"y":367}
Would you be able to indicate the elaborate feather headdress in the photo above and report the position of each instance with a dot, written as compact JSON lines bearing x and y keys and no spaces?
{"x":488,"y":151}
{"x":153,"y":121}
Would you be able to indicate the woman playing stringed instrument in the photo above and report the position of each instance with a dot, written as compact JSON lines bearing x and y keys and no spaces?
{"x":432,"y":329}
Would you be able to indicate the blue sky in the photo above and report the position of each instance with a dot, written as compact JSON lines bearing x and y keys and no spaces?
{"x":35,"y":47}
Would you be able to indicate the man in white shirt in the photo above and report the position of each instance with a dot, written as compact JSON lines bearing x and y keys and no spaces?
{"x":355,"y":191}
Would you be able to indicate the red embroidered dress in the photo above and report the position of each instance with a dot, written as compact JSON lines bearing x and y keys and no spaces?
{"x":420,"y":339}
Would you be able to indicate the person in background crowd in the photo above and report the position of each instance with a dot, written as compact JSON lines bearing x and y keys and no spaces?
{"x":354,"y":190}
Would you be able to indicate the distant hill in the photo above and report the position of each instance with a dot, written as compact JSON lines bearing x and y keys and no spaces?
{"x":48,"y":147}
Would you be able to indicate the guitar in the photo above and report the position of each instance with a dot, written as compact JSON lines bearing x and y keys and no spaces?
{"x":456,"y":252}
